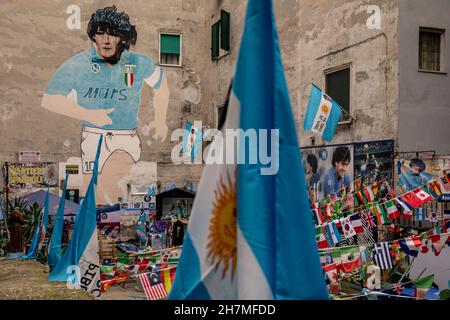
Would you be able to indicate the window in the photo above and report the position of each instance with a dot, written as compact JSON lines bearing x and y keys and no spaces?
{"x":337,"y":86}
{"x":430,"y":49}
{"x":170,"y":49}
{"x":220,"y":116}
{"x":220,"y":36}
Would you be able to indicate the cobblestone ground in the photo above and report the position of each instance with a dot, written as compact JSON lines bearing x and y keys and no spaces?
{"x":27,"y":280}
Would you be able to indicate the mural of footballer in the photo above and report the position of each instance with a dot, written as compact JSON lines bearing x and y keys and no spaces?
{"x":102,"y":88}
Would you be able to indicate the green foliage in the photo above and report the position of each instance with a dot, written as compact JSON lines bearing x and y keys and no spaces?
{"x":445,"y":294}
{"x":31,"y":218}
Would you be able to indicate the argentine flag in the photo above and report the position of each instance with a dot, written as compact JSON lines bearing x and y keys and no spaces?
{"x":39,"y":232}
{"x":54,"y":254}
{"x":251,"y":236}
{"x":79,"y":264}
{"x":322,"y":115}
{"x":191,"y":141}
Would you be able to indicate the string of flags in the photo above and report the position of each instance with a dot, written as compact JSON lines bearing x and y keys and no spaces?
{"x":162,"y":262}
{"x":334,"y":204}
{"x":340,"y":263}
{"x":375,"y":213}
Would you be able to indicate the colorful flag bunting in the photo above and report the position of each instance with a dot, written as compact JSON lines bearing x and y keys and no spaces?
{"x":392,"y":210}
{"x":381,"y":215}
{"x":422,"y":195}
{"x":375,"y":189}
{"x":357,"y":223}
{"x":318,"y":217}
{"x":351,"y":258}
{"x":406,"y":208}
{"x":420,"y":214}
{"x":331,"y":272}
{"x":361,"y":197}
{"x":167,"y":275}
{"x":410,"y":246}
{"x":320,"y":238}
{"x":434,"y":189}
{"x":153,"y":287}
{"x":381,"y":255}
{"x":368,"y":193}
{"x":347,"y":228}
{"x":444,"y":185}
{"x":411,"y":199}
{"x":438,"y":242}
{"x":368,"y":219}
{"x":333,"y":233}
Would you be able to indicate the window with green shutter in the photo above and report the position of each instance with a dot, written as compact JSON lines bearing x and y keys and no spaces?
{"x":170,"y":49}
{"x":215,"y":40}
{"x":225,"y":30}
{"x":220,"y":36}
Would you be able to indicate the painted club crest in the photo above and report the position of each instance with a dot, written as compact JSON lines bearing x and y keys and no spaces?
{"x":129,"y":74}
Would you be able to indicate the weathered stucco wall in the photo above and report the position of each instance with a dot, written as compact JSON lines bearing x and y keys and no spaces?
{"x":318,"y":35}
{"x":314,"y":36}
{"x":36,"y":40}
{"x":424,"y":97}
{"x":335,"y":33}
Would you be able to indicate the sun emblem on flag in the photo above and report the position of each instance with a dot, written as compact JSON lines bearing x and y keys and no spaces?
{"x":129,"y":74}
{"x":325,"y":108}
{"x":222,"y":226}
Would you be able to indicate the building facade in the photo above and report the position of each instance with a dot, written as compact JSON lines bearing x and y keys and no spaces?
{"x":375,"y":57}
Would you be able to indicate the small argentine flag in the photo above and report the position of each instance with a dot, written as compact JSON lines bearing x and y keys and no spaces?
{"x":322,"y":114}
{"x":191,"y":141}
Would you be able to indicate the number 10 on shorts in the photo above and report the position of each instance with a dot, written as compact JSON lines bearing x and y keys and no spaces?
{"x":88,"y":166}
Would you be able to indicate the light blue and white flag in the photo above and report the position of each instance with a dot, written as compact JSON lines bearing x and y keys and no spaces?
{"x":141,"y":229}
{"x":381,"y":256}
{"x":322,"y":115}
{"x":191,"y":141}
{"x":420,"y":214}
{"x":251,"y":234}
{"x":333,"y":233}
{"x":39,"y":232}
{"x":54,"y":254}
{"x":79,"y":264}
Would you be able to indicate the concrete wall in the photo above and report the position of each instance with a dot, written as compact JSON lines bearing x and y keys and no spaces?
{"x":335,"y":33}
{"x":35,"y":41}
{"x":318,"y":35}
{"x":424,"y":97}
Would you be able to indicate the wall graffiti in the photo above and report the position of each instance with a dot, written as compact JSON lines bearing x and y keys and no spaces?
{"x":328,"y":169}
{"x":101,"y":87}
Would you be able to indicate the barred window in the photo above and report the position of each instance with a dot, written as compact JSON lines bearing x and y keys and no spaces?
{"x":430,"y":49}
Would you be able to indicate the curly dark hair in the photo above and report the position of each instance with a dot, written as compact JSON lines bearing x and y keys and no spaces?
{"x":341,"y":154}
{"x":418,"y":163}
{"x":114,"y":23}
{"x":312,"y":160}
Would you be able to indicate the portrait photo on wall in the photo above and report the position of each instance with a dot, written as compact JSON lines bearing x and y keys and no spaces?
{"x":374,"y":161}
{"x":416,"y":171}
{"x":328,"y":169}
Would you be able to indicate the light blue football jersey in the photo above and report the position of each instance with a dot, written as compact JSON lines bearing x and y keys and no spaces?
{"x":95,"y":85}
